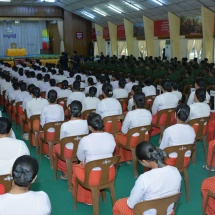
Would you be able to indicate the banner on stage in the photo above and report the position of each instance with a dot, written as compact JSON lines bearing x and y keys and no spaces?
{"x":45,"y":39}
{"x":9,"y":36}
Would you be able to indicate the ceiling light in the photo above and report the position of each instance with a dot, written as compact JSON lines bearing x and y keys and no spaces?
{"x":114,"y":8}
{"x":88,"y":14}
{"x":5,"y":0}
{"x":100,"y":12}
{"x":132,"y":5}
{"x":157,"y":2}
{"x":49,"y":1}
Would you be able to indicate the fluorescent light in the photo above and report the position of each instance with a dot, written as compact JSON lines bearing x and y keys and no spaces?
{"x":157,"y":2}
{"x":100,"y":12}
{"x":88,"y":14}
{"x":5,"y":0}
{"x":114,"y":8}
{"x":49,"y":1}
{"x":132,"y":5}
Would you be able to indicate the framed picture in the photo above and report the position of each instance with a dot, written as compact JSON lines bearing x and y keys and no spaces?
{"x":79,"y":35}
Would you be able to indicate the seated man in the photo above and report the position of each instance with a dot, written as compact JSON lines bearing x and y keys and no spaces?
{"x":10,"y":149}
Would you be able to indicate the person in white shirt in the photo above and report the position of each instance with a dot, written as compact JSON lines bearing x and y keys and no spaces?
{"x":108,"y":106}
{"x":134,"y":118}
{"x":45,"y":85}
{"x":131,"y":82}
{"x":82,"y":84}
{"x":199,"y":83}
{"x":53,"y":86}
{"x":164,"y":101}
{"x":20,"y":200}
{"x":23,"y":94}
{"x":16,"y":90}
{"x":120,"y":92}
{"x":180,"y":133}
{"x":199,"y":108}
{"x":115,"y":81}
{"x":90,"y":84}
{"x":31,"y":79}
{"x":10,"y":148}
{"x":39,"y":80}
{"x":27,"y":98}
{"x":159,"y":182}
{"x":6,"y":84}
{"x":71,"y":78}
{"x":97,"y":145}
{"x":64,"y":92}
{"x":75,"y":126}
{"x":61,"y":76}
{"x":175,"y":90}
{"x":148,"y":89}
{"x":91,"y":101}
{"x":134,"y":89}
{"x":76,"y":94}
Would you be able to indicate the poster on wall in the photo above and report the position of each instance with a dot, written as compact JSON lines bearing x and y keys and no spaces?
{"x":139,"y":30}
{"x":120,"y":32}
{"x":79,"y":35}
{"x":106,"y":35}
{"x":191,"y":25}
{"x":161,"y":28}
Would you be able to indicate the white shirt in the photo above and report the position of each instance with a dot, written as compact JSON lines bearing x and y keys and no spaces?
{"x":25,"y":101}
{"x":57,"y":89}
{"x":44,"y":86}
{"x":130,"y":104}
{"x":21,"y":95}
{"x":120,"y":93}
{"x":156,"y":183}
{"x":79,"y":96}
{"x":10,"y":150}
{"x":149,"y":90}
{"x":136,"y":118}
{"x":12,"y":95}
{"x":109,"y":107}
{"x":88,"y":88}
{"x":5,"y":86}
{"x":199,"y":109}
{"x":35,"y":106}
{"x":178,"y":94}
{"x":34,"y":203}
{"x":115,"y":84}
{"x":70,"y":81}
{"x":191,"y":98}
{"x":164,"y":101}
{"x":64,"y":93}
{"x":96,"y":146}
{"x":129,"y":85}
{"x":38,"y":82}
{"x":90,"y":103}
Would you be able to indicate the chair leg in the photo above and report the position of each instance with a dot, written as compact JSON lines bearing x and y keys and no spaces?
{"x":135,"y":162}
{"x":36,"y":141}
{"x":205,"y":146}
{"x":95,"y":197}
{"x":41,"y":149}
{"x":55,"y":167}
{"x":75,"y":194}
{"x":30,"y":137}
{"x":104,"y":195}
{"x":22,"y":125}
{"x":194,"y":154}
{"x":50,"y":154}
{"x":112,"y":192}
{"x":69,"y":173}
{"x":186,"y":185}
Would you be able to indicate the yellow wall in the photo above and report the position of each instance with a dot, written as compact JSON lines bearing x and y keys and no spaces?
{"x":174,"y":30}
{"x":129,"y":34}
{"x":208,"y":31}
{"x":99,"y":38}
{"x":113,"y":37}
{"x":149,"y":35}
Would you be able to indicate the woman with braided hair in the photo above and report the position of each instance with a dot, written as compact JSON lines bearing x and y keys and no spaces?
{"x":20,"y":200}
{"x":147,"y":186}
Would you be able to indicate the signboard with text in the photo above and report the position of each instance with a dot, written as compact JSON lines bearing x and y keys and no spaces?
{"x":161,"y":28}
{"x":106,"y":35}
{"x":120,"y":32}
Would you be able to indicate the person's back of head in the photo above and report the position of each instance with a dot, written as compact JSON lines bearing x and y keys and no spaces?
{"x":75,"y":108}
{"x":7,"y":78}
{"x":15,"y":86}
{"x":139,"y":99}
{"x":95,"y":121}
{"x":122,"y":83}
{"x":46,"y":78}
{"x":174,"y":85}
{"x":183,"y":112}
{"x":92,"y":91}
{"x":90,"y":81}
{"x":30,"y":88}
{"x":146,"y":82}
{"x":78,"y":78}
{"x":24,"y":170}
{"x":52,"y":96}
{"x":136,"y":88}
{"x":43,"y":69}
{"x":60,"y":71}
{"x":21,"y":71}
{"x":64,"y":84}
{"x":23,"y":86}
{"x":5,"y":125}
{"x":132,"y":78}
{"x":76,"y":85}
{"x":32,"y":74}
{"x":200,"y":94}
{"x":71,"y":74}
{"x":166,"y":85}
{"x":107,"y":90}
{"x":36,"y":92}
{"x":200,"y":83}
{"x":39,"y":77}
{"x":52,"y":82}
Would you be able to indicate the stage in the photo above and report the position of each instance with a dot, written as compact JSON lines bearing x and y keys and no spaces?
{"x":48,"y":58}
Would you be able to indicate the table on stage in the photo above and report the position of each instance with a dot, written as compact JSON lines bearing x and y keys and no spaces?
{"x":16,"y":52}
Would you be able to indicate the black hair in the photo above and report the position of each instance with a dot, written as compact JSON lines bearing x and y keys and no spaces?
{"x":174,"y":85}
{"x":95,"y":121}
{"x":7,"y":78}
{"x":146,"y":81}
{"x":36,"y":92}
{"x":15,"y":85}
{"x":139,"y":99}
{"x":23,"y":86}
{"x":32,"y":74}
{"x":24,"y":170}
{"x":108,"y":90}
{"x":46,"y":78}
{"x":200,"y":94}
{"x":76,"y":85}
{"x":90,"y":81}
{"x":132,"y":78}
{"x":52,"y":82}
{"x":39,"y":76}
{"x":64,"y":84}
{"x":92,"y":91}
{"x":136,"y":88}
{"x":201,"y":83}
{"x":147,"y":151}
{"x":75,"y":108}
{"x":5,"y":125}
{"x":52,"y":96}
{"x":78,"y":78}
{"x":30,"y":88}
{"x":122,"y":83}
{"x":166,"y":84}
{"x":183,"y":112}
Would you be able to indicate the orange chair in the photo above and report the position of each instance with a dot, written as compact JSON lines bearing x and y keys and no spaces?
{"x":104,"y":182}
{"x":210,"y":195}
{"x":87,"y":112}
{"x":186,"y":91}
{"x":200,"y":127}
{"x":69,"y":161}
{"x":56,"y":126}
{"x":161,"y":205}
{"x":181,"y":162}
{"x":43,"y":94}
{"x":6,"y":181}
{"x":149,"y":102}
{"x":131,"y":143}
{"x":124,"y":103}
{"x":19,"y":113}
{"x":62,"y":102}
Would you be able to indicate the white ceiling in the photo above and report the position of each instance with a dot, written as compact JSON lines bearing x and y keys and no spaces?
{"x":148,"y":8}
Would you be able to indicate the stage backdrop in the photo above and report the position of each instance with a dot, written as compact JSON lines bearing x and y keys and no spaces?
{"x":26,"y":34}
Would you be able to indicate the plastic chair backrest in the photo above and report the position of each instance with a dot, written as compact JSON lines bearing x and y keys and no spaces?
{"x":56,"y":126}
{"x":210,"y":194}
{"x":32,"y":120}
{"x":62,"y":100}
{"x":186,"y":89}
{"x":105,"y":165}
{"x":6,"y":180}
{"x":114,"y":119}
{"x":18,"y":104}
{"x":161,"y":204}
{"x":168,"y":112}
{"x":149,"y":102}
{"x":180,"y":150}
{"x":123,"y":101}
{"x":43,"y":94}
{"x":87,"y":112}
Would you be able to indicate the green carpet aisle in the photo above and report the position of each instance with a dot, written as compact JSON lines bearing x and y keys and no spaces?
{"x":62,"y":201}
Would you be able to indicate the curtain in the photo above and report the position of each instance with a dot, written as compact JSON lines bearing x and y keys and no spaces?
{"x":121,"y":45}
{"x":28,"y":35}
{"x":60,"y":30}
{"x":189,"y":47}
{"x":198,"y":46}
{"x":96,"y":51}
{"x":161,"y":45}
{"x":142,"y":48}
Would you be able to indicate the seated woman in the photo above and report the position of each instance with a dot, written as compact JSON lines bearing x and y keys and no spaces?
{"x":134,"y":89}
{"x":90,"y":84}
{"x":152,"y":184}
{"x":97,"y":145}
{"x":134,"y":118}
{"x":178,"y":134}
{"x":148,"y":89}
{"x":21,"y":200}
{"x":50,"y":113}
{"x":175,"y":91}
{"x":64,"y":92}
{"x":75,"y":126}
